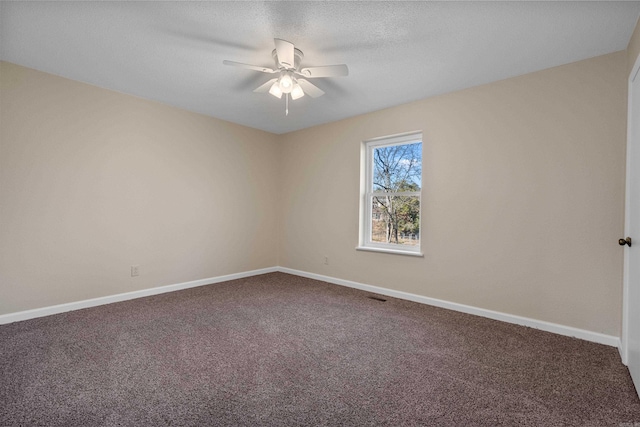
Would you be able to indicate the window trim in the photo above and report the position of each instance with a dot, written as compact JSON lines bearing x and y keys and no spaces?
{"x":366,"y":193}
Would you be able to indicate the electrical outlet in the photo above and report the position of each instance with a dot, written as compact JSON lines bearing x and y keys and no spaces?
{"x":326,"y":260}
{"x":135,"y":270}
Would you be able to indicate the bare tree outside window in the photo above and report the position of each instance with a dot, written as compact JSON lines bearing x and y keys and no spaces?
{"x":397,"y":169}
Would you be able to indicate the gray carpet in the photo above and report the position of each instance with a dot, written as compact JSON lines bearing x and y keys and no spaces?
{"x":282,"y":350}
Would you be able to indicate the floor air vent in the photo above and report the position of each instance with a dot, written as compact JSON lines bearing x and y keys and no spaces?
{"x":378,"y":299}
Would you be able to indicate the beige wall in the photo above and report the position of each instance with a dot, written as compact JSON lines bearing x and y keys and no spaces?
{"x":93,"y":181}
{"x":523,"y":197}
{"x":633,"y":49}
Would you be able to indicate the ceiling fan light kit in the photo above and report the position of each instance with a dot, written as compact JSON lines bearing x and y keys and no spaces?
{"x":291,"y":82}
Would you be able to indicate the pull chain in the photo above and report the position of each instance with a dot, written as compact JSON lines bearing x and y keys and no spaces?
{"x":286,"y":109}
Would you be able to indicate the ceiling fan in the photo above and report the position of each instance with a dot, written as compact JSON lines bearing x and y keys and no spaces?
{"x":292,"y":80}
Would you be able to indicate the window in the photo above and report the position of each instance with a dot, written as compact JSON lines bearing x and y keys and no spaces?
{"x":391,"y":190}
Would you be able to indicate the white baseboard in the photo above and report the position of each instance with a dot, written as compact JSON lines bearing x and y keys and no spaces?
{"x":61,"y":308}
{"x":623,"y":355}
{"x":496,"y":315}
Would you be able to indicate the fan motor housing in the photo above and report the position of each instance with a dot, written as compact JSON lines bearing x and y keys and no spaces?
{"x":297,"y":58}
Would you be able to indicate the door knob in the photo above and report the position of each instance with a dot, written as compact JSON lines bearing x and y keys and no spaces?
{"x":626,"y":241}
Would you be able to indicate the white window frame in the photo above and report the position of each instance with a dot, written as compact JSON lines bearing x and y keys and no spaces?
{"x":367,"y":194}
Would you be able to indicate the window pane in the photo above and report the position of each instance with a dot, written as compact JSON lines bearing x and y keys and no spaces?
{"x":397,"y":168}
{"x":395,"y":219}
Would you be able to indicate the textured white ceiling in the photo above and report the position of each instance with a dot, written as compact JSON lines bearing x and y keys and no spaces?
{"x":172,"y":52}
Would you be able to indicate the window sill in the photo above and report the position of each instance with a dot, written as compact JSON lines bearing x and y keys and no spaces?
{"x":390,"y":251}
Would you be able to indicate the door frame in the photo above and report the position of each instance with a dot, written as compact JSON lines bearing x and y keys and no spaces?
{"x":624,"y":348}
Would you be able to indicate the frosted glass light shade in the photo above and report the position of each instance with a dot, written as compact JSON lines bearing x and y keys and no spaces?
{"x":286,"y":83}
{"x":297,"y":92}
{"x":275,"y":90}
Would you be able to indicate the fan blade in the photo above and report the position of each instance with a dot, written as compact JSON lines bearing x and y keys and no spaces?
{"x":284,"y":49}
{"x":265,"y":87}
{"x":326,"y":71}
{"x":309,"y":88}
{"x":250,"y":67}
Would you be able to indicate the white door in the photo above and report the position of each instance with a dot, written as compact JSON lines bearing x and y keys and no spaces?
{"x":631,"y":315}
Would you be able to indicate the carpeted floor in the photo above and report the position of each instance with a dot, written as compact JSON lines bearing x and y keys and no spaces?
{"x":283,"y":350}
